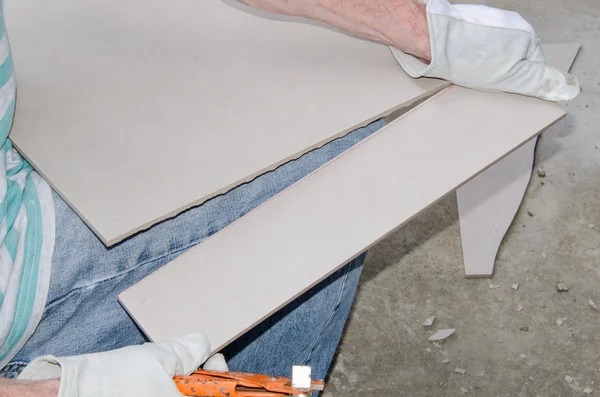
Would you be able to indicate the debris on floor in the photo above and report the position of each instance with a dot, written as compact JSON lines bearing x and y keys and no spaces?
{"x":520,"y":308}
{"x":463,"y":390}
{"x":593,"y":305}
{"x":429,"y":322}
{"x":492,"y":336}
{"x":523,"y":356}
{"x":515,"y":287}
{"x":529,"y":213}
{"x":460,"y":371}
{"x":560,"y":321}
{"x":441,"y":335}
{"x":569,"y":379}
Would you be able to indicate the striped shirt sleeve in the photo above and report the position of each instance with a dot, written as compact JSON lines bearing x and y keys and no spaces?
{"x":26,"y":227}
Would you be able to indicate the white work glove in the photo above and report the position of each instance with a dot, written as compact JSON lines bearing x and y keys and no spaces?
{"x":145,"y":370}
{"x":488,"y":49}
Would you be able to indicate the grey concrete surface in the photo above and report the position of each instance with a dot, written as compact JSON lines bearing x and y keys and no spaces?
{"x":417,"y":272}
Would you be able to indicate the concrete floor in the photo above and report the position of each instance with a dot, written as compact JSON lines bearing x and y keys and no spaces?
{"x":417,"y":272}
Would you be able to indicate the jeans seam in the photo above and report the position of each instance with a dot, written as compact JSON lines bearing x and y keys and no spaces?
{"x":331,"y":315}
{"x":96,"y":282}
{"x":12,"y":367}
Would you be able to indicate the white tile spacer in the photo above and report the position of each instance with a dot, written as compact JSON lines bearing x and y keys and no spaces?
{"x":301,"y":376}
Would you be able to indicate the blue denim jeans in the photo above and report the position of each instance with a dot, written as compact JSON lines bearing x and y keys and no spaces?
{"x":83,"y":316}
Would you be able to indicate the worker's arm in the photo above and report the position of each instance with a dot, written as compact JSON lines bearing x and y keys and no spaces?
{"x":470,"y":45}
{"x":398,"y":23}
{"x":145,"y":370}
{"x":28,"y":388}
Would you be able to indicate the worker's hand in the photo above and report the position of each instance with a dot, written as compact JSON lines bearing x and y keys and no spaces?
{"x":146,"y":370}
{"x":490,"y":49}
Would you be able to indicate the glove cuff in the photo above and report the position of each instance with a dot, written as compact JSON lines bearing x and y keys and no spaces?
{"x":412,"y":65}
{"x":42,"y":368}
{"x":51,"y":367}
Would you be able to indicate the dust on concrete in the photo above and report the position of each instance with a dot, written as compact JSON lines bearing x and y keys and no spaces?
{"x":417,"y":272}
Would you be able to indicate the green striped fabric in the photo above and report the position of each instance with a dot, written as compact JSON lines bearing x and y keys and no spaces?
{"x":26,"y":227}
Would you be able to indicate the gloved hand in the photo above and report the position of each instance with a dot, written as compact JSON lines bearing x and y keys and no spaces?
{"x":146,"y":370}
{"x":488,"y":49}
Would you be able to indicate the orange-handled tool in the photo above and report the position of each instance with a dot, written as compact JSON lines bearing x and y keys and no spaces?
{"x":236,"y":384}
